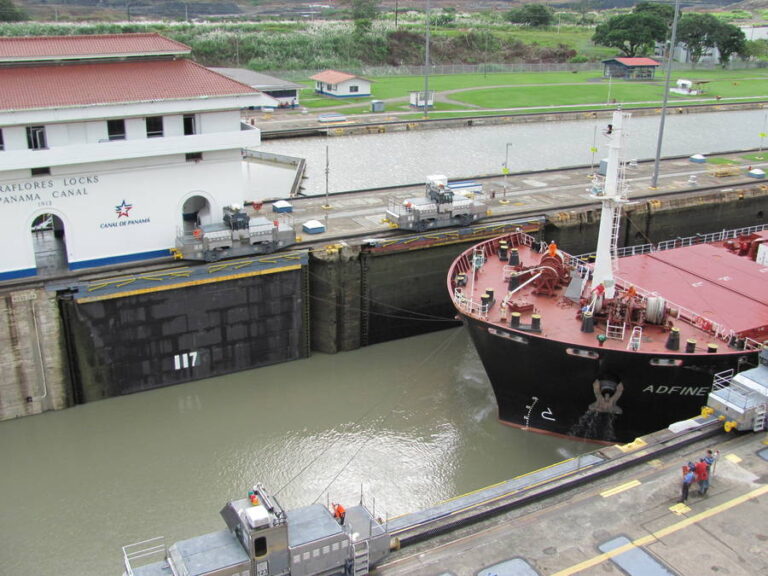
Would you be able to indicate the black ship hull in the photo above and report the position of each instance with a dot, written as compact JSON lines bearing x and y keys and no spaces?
{"x":594,"y":393}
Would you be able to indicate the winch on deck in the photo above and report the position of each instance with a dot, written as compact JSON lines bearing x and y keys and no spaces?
{"x":262,"y":539}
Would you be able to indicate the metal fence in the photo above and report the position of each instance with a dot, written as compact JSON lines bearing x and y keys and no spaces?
{"x":495,"y":68}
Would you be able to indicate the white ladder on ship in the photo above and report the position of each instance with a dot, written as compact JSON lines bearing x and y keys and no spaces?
{"x":759,"y":423}
{"x":361,"y":558}
{"x":635,"y":339}
{"x":615,"y":331}
{"x":615,"y":237}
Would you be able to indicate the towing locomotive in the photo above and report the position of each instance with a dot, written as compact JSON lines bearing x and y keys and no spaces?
{"x":262,"y":539}
{"x":238,"y":234}
{"x":442,"y":205}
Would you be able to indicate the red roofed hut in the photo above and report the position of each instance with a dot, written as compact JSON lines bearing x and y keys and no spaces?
{"x":630,"y":68}
{"x":341,"y":84}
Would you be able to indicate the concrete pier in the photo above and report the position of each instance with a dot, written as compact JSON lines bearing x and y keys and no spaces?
{"x":630,"y":522}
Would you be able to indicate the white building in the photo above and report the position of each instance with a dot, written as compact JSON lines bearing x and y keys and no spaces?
{"x":286,"y":94}
{"x":123,"y":140}
{"x":341,"y":84}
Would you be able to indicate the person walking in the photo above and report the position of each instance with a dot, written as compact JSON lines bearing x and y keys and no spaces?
{"x":688,"y":478}
{"x":702,"y":476}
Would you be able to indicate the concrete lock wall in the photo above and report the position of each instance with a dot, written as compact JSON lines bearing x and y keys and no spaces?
{"x":335,"y":287}
{"x":33,"y":363}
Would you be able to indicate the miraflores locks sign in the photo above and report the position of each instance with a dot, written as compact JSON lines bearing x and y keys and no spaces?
{"x":46,"y":190}
{"x":49,"y":192}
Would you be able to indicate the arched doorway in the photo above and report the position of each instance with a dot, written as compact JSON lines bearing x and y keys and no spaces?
{"x":49,"y":243}
{"x":195,"y":211}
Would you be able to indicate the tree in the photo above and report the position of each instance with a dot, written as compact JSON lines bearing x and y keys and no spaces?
{"x":729,"y":40}
{"x":362,"y":9}
{"x":534,"y":15}
{"x":9,"y":12}
{"x":664,"y":11}
{"x":755,"y":49}
{"x":697,"y":32}
{"x":633,"y":34}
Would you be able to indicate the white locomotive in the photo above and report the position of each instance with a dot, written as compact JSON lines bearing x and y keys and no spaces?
{"x":237,"y":235}
{"x":443,"y":205}
{"x":262,"y":539}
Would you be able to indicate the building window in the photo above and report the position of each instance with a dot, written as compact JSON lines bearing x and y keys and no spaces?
{"x":353,"y":89}
{"x":2,"y":142}
{"x":41,"y":171}
{"x":116,"y":129}
{"x":189,"y":125}
{"x":36,"y":138}
{"x":194,"y":156}
{"x":154,"y":126}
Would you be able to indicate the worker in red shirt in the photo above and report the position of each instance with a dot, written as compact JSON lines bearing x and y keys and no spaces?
{"x":702,"y":476}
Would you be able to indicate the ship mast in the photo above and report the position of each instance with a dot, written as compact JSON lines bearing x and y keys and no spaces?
{"x":612,"y":195}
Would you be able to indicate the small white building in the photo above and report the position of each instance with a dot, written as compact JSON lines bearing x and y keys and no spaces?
{"x":121,"y":140}
{"x":286,"y":94}
{"x":341,"y":84}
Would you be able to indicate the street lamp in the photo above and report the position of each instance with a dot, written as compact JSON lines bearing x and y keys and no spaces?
{"x":505,"y":167}
{"x":670,"y":54}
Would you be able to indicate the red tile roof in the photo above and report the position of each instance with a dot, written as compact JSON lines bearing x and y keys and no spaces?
{"x":15,"y":49}
{"x":31,"y":87}
{"x":333,"y":77}
{"x":637,"y":61}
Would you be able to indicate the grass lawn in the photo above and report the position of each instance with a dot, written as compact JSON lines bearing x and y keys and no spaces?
{"x":530,"y":89}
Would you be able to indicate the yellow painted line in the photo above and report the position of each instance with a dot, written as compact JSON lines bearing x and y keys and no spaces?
{"x":620,"y":489}
{"x":655,"y":463}
{"x":125,"y":280}
{"x":658,"y":535}
{"x":733,"y":458}
{"x":200,"y":282}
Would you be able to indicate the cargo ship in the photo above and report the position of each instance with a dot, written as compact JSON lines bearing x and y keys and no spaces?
{"x":621,"y":344}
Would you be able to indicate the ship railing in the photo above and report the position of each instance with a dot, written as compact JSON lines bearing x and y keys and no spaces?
{"x":142,"y":553}
{"x":470,"y":306}
{"x":711,"y":237}
{"x":680,"y":242}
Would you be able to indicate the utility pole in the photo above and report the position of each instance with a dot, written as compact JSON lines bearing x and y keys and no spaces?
{"x":670,"y":54}
{"x":426,"y":65}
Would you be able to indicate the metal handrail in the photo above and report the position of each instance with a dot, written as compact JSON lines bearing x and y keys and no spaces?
{"x":151,"y":548}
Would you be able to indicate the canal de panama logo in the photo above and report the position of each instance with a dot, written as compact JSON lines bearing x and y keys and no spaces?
{"x":123,"y":217}
{"x":123,"y":209}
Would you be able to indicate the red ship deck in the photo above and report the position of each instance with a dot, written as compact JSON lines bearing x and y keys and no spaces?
{"x":713,"y":293}
{"x":709,"y":280}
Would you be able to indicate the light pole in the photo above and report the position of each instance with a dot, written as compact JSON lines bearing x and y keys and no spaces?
{"x":426,"y":64}
{"x":672,"y":41}
{"x":505,"y":168}
{"x":763,"y":134}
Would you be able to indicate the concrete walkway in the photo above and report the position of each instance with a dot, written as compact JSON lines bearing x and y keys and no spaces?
{"x":630,"y":523}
